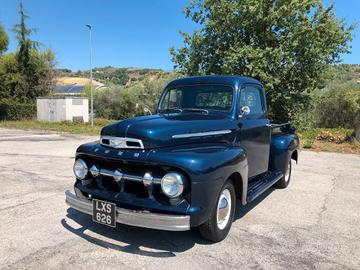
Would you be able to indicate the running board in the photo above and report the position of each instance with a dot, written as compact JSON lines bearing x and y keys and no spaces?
{"x":258,"y":186}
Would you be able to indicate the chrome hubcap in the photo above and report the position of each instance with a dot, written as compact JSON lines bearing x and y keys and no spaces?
{"x":288,"y":171}
{"x":223,"y":209}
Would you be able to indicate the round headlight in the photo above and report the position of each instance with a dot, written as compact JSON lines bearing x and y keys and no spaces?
{"x":172,"y":184}
{"x":80,"y":169}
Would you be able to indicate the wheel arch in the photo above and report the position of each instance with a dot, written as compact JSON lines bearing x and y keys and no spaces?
{"x":295,"y":155}
{"x":240,"y":183}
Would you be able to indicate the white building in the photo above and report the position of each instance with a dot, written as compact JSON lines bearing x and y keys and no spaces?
{"x":66,"y":108}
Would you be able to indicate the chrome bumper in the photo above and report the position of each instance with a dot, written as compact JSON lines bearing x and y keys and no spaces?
{"x":134,"y":218}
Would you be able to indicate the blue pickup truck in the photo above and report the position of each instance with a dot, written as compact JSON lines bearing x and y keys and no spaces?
{"x":209,"y":148}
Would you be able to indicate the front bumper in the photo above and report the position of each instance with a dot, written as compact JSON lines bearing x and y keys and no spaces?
{"x":134,"y":218}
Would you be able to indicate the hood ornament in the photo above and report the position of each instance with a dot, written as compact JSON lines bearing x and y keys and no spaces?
{"x":121,"y":142}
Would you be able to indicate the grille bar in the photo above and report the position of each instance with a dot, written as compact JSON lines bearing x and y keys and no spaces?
{"x":117,"y":175}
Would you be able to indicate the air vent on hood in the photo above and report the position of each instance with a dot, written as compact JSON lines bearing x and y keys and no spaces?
{"x":121,"y":142}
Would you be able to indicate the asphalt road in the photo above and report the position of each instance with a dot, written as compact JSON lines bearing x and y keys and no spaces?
{"x":314,"y":224}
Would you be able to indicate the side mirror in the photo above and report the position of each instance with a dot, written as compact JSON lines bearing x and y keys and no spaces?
{"x":245,"y":110}
{"x":147,"y":110}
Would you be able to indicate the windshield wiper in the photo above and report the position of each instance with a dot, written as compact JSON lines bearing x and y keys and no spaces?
{"x":170,"y":110}
{"x":195,"y":110}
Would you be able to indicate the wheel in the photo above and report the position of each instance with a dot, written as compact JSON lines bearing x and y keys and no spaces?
{"x":217,"y":227}
{"x":285,"y":180}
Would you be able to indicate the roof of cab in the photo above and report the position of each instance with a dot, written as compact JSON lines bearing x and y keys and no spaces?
{"x":213,"y":79}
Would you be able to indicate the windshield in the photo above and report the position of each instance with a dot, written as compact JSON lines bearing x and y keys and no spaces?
{"x":197,"y":98}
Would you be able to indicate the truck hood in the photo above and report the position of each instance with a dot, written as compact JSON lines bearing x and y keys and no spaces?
{"x":163,"y":130}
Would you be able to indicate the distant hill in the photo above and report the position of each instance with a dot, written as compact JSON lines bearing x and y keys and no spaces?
{"x":68,"y":80}
{"x":106,"y":75}
{"x":348,"y":72}
{"x":128,"y":76}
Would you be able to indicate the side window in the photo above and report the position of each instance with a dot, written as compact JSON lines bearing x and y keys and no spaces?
{"x":252,"y":97}
{"x":172,"y":99}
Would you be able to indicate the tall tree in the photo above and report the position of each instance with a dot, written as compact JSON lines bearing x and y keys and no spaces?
{"x":25,"y":43}
{"x":4,"y":40}
{"x":287,"y":45}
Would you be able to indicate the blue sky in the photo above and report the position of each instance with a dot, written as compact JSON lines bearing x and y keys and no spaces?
{"x":126,"y":33}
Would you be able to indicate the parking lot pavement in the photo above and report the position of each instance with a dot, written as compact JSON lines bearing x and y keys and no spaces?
{"x":312,"y":224}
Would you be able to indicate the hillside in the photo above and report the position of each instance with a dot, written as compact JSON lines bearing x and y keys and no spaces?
{"x":119,"y":76}
{"x":129,"y":76}
{"x":347,"y":72}
{"x":67,"y":80}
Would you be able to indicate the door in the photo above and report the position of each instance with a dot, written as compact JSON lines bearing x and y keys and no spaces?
{"x":52,"y":110}
{"x":254,"y":125}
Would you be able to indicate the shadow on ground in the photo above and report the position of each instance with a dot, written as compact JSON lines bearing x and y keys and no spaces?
{"x":145,"y":242}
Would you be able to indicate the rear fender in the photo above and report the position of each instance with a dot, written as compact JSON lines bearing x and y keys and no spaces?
{"x":283,"y":147}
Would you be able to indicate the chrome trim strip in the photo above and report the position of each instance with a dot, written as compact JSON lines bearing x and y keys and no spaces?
{"x":201,"y":134}
{"x":121,"y":142}
{"x":134,"y":218}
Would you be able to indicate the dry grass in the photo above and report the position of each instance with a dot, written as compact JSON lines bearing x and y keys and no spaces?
{"x":347,"y":147}
{"x":75,"y":80}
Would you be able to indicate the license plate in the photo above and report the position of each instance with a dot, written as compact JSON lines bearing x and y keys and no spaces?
{"x":104,"y":213}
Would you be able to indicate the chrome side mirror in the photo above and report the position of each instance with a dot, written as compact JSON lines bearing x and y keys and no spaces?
{"x":147,"y":110}
{"x":245,"y":110}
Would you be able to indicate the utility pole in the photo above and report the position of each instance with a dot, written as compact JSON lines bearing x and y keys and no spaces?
{"x":91,"y":78}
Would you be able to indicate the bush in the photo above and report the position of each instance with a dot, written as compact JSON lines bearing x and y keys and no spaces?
{"x":335,"y":136}
{"x":13,"y":110}
{"x":308,"y":144}
{"x":336,"y":106}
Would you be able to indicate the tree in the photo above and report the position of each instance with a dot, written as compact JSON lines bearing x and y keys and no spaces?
{"x":25,"y":43}
{"x":4,"y":40}
{"x":35,"y":67}
{"x":287,"y":45}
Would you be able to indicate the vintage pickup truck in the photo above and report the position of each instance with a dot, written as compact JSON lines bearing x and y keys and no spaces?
{"x":209,"y":144}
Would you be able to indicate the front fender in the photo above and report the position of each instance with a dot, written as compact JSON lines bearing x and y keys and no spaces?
{"x":208,"y":167}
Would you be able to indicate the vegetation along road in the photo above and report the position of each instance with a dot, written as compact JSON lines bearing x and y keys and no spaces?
{"x":312,"y":224}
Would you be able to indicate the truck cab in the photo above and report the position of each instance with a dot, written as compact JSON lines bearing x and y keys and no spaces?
{"x":209,"y":143}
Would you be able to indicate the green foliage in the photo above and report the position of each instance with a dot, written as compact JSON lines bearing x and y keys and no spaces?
{"x":287,"y":45}
{"x":18,"y":85}
{"x":120,"y":102}
{"x":13,"y":110}
{"x":337,"y":105}
{"x":27,"y":73}
{"x":4,"y":40}
{"x":111,"y":75}
{"x":308,"y":144}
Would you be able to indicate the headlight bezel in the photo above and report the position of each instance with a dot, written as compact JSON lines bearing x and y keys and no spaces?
{"x":175,"y":177}
{"x":85,"y":172}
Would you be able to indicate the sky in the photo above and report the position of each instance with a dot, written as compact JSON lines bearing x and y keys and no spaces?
{"x":126,"y":33}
